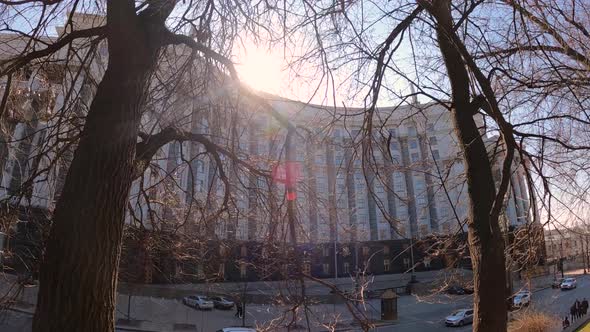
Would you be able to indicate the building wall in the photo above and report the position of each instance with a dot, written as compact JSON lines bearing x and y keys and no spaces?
{"x":404,"y":181}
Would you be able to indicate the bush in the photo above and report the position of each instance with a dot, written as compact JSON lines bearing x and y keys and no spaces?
{"x":534,"y":322}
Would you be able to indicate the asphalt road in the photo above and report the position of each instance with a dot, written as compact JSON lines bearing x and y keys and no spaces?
{"x":427,"y":317}
{"x":415,"y":314}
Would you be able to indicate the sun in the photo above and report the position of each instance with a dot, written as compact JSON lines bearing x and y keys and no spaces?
{"x":260,"y":69}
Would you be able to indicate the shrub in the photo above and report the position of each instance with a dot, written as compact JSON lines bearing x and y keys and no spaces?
{"x":533,"y":322}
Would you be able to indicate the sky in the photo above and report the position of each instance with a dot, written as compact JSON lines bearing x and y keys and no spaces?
{"x":262,"y":69}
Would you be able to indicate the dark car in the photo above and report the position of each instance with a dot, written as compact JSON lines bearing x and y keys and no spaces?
{"x":459,"y":290}
{"x":222,"y":303}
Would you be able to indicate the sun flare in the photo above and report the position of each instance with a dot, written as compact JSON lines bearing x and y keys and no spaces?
{"x":261,"y":69}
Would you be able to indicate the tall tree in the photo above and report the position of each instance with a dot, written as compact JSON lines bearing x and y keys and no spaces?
{"x":485,"y":238}
{"x":82,"y":255}
{"x":78,"y":276}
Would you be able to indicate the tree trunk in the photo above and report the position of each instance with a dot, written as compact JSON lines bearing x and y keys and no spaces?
{"x":79,"y":274}
{"x":484,"y":235}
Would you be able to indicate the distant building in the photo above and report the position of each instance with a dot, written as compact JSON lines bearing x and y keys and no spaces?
{"x":403,"y":182}
{"x":566,"y":243}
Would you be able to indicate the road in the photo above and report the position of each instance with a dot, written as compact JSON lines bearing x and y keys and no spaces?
{"x":415,"y":314}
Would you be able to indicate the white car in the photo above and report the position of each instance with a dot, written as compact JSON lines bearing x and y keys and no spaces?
{"x":236,"y":329}
{"x":521,"y":299}
{"x":198,"y":301}
{"x":568,"y":283}
{"x":460,"y":317}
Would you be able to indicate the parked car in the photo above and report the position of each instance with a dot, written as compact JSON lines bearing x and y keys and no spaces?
{"x":200,"y":302}
{"x":521,"y":299}
{"x":568,"y":283}
{"x":220,"y":302}
{"x":236,"y":329}
{"x":458,"y":290}
{"x":556,"y":283}
{"x":460,"y":317}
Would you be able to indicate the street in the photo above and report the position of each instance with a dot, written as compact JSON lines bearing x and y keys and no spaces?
{"x":415,"y":314}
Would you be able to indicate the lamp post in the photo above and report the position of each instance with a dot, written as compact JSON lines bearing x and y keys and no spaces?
{"x":583,"y":256}
{"x":413,"y":276}
{"x":243,"y":304}
{"x":561,"y":258}
{"x":335,"y":251}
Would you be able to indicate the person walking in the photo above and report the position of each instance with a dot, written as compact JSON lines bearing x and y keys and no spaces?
{"x":585,"y":306}
{"x":566,"y":323}
{"x":239,"y":309}
{"x":573,"y":312}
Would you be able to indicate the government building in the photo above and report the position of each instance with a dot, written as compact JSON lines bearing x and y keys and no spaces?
{"x":367,"y":193}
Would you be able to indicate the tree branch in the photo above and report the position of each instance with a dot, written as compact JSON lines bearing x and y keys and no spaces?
{"x":150,"y":144}
{"x":11,"y":65}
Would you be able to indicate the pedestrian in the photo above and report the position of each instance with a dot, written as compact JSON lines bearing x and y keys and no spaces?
{"x":573,"y":312}
{"x":578,"y":305}
{"x":585,"y":306}
{"x":566,"y":323}
{"x":239,"y":309}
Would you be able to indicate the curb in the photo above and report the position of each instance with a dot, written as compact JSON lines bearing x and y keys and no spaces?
{"x":22,"y":311}
{"x":132,"y":329}
{"x":540,"y":289}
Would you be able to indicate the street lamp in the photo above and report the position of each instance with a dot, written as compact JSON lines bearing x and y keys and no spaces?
{"x":561,"y":259}
{"x":413,"y":276}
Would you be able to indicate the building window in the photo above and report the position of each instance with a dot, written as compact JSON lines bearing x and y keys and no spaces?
{"x":306,"y":268}
{"x":345,"y":251}
{"x":200,"y":166}
{"x":415,"y":157}
{"x":365,"y":251}
{"x":386,"y":250}
{"x":430,"y":127}
{"x":379,"y":189}
{"x":200,"y":272}
{"x":412,"y":131}
{"x":413,"y":144}
{"x":401,"y":231}
{"x":386,"y":265}
{"x":243,"y":270}
{"x":433,"y":140}
{"x":326,"y":251}
{"x":446,"y":228}
{"x":426,"y":262}
{"x":394,"y":146}
{"x":435,"y":155}
{"x":423,"y":230}
{"x":200,"y":185}
{"x":346,"y":268}
{"x":392,"y":132}
{"x":406,"y":263}
{"x":326,"y":268}
{"x":243,"y":251}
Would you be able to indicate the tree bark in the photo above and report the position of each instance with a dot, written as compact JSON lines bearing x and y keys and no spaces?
{"x":79,"y":274}
{"x":484,"y":234}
